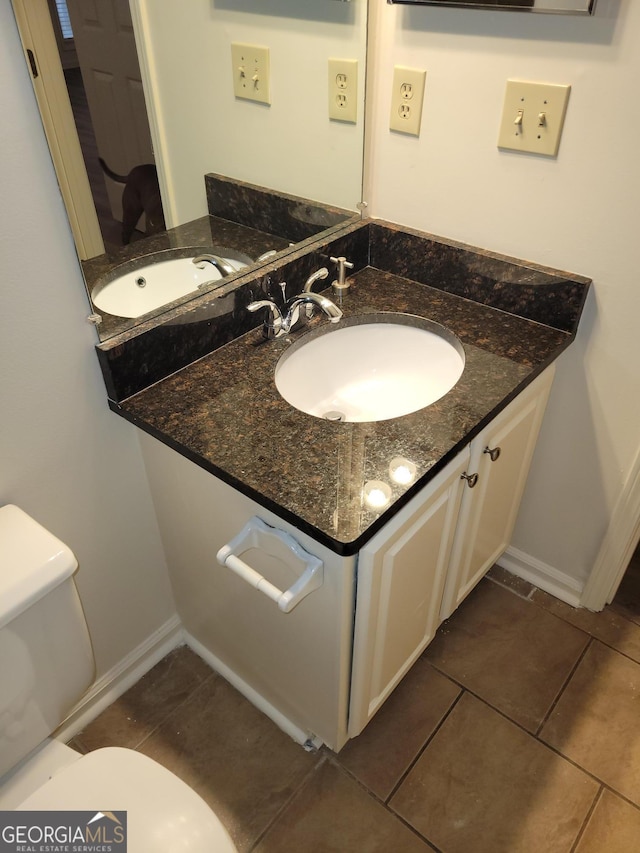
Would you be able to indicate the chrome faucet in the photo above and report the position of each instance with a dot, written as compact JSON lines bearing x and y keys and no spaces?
{"x":223,"y":267}
{"x":276,"y":325}
{"x":293,"y":306}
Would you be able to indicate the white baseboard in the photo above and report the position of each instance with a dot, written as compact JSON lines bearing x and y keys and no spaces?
{"x":122,"y":676}
{"x":540,"y":574}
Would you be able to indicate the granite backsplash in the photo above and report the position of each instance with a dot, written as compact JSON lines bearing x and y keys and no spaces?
{"x":525,"y":289}
{"x":155,"y":349}
{"x":274,"y":212}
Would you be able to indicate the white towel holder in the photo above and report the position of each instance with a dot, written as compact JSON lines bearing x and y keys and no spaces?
{"x":257,"y":534}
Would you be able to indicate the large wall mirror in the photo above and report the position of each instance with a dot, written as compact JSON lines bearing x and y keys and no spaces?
{"x":564,"y":7}
{"x":141,"y":92}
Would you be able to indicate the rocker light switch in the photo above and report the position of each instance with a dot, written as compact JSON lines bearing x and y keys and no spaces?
{"x":533,"y":116}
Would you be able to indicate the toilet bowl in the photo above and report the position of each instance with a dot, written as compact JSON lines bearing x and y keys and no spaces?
{"x":46,"y":664}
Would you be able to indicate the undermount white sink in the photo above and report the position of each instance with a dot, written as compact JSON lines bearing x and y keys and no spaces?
{"x":137,"y":291}
{"x":375,"y":368}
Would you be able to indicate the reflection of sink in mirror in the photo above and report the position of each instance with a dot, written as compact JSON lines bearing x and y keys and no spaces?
{"x":134,"y":292}
{"x":374,"y":368}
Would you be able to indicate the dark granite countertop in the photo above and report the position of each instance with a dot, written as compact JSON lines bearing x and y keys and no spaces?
{"x":224,"y":413}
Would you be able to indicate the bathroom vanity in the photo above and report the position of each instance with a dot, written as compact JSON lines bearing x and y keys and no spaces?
{"x":390,"y":572}
{"x":322,"y":670}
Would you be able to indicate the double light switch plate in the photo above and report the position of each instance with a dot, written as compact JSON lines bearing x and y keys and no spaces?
{"x":533,"y":116}
{"x":251,"y":76}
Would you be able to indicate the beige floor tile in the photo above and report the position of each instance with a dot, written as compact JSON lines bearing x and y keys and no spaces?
{"x":333,"y":814}
{"x":609,"y":625}
{"x":133,"y":716}
{"x":233,"y":756}
{"x":596,"y":723}
{"x":483,"y":785}
{"x":614,"y":827}
{"x":509,"y":652}
{"x":382,"y":753}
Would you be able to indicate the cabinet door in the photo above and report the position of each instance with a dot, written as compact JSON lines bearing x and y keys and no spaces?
{"x":401,"y":574}
{"x":500,"y":456}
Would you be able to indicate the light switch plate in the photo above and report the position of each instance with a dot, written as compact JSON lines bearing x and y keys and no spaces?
{"x":533,"y":116}
{"x":407,"y":96}
{"x":251,"y":72}
{"x":343,"y":89}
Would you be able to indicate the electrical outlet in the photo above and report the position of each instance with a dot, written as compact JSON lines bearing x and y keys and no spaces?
{"x":343,"y":90}
{"x":406,"y":99}
{"x":251,"y":72}
{"x":532,"y":117}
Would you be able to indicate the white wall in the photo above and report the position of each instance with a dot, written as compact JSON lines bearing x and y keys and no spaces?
{"x":64,"y":457}
{"x":290,"y":145}
{"x":577,"y":212}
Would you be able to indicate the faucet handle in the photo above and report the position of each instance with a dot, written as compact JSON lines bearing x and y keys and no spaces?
{"x":340,"y":284}
{"x":266,"y":255}
{"x":273,"y":325}
{"x":323,"y":272}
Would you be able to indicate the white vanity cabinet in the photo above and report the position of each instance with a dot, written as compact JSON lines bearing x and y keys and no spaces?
{"x":322,"y":668}
{"x":401,"y":576}
{"x":500,"y":459}
{"x":294,"y":666}
{"x":415,"y":572}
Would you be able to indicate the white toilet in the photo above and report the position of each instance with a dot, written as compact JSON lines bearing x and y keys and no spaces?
{"x":46,"y":664}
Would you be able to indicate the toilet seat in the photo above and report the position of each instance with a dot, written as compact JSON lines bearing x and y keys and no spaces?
{"x":163,"y":814}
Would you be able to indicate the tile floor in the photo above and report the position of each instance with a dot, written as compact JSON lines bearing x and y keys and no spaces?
{"x":517,"y":731}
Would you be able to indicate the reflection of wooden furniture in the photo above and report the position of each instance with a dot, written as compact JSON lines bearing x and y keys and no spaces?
{"x":38,"y":38}
{"x":106,"y":48}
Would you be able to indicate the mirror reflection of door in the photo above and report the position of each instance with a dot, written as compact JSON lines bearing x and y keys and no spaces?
{"x":105,"y":90}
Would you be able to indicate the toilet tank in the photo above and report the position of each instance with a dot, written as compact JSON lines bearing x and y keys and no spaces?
{"x":46,"y":661}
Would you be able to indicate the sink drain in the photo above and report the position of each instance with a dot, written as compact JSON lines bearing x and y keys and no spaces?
{"x":333,"y":416}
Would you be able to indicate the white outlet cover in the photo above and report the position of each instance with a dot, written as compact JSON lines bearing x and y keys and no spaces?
{"x":343,"y":90}
{"x":542,"y":108}
{"x":251,"y":76}
{"x":407,"y":96}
